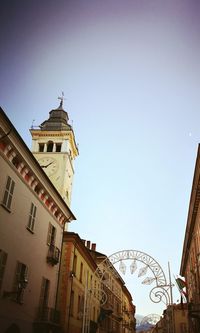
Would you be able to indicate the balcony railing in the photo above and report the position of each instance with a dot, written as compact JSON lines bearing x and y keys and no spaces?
{"x":47,"y":315}
{"x":53,"y":255}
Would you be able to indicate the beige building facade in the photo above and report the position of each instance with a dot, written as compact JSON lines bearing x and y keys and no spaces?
{"x":32,"y":219}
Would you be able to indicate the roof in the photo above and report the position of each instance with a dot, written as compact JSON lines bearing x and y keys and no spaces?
{"x":58,"y":120}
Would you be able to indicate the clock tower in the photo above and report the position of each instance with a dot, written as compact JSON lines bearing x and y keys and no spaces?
{"x":54,"y":146}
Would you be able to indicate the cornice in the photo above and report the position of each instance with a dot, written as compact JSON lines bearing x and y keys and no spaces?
{"x":79,"y":245}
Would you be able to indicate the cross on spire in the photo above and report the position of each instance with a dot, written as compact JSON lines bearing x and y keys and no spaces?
{"x":61,"y":100}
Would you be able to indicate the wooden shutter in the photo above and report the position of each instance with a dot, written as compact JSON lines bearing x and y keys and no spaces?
{"x":32,"y":216}
{"x":49,"y":234}
{"x":44,"y":294}
{"x":3,"y":259}
{"x":7,"y":199}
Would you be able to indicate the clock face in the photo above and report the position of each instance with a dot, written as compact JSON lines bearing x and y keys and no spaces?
{"x":49,"y":165}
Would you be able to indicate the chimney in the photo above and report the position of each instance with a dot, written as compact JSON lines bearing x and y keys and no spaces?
{"x":88,"y":244}
{"x":84,"y":241}
{"x":93,"y":247}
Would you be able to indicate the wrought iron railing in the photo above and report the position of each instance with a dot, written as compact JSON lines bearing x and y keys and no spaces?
{"x":47,"y":314}
{"x":53,"y":255}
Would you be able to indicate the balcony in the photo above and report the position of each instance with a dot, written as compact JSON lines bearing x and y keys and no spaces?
{"x":53,"y":255}
{"x":46,"y":314}
{"x":46,"y":318}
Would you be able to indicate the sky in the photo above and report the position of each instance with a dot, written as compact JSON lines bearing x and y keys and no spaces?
{"x":130,"y":73}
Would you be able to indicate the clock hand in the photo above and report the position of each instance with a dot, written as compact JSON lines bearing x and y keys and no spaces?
{"x":45,"y":166}
{"x":49,"y":164}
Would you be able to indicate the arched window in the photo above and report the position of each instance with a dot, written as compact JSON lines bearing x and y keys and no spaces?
{"x":50,"y":146}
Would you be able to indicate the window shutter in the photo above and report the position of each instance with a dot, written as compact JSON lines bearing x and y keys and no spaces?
{"x":42,"y":291}
{"x":44,"y":294}
{"x":49,"y":234}
{"x":32,"y":216}
{"x":8,"y":192}
{"x":3,"y":259}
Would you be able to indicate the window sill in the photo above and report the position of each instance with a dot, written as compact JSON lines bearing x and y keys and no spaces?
{"x":6,"y":208}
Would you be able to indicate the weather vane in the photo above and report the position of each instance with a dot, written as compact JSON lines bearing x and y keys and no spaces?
{"x":61,"y":99}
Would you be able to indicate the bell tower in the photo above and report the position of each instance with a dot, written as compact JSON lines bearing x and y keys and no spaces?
{"x":54,"y":146}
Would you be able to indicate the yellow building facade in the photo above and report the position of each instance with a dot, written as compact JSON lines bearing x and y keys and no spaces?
{"x":89,"y":302}
{"x":77,"y":284}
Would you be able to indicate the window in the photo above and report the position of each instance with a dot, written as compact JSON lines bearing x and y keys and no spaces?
{"x":81,"y":272}
{"x":51,"y":235}
{"x":44,"y":294}
{"x":93,"y":313}
{"x":95,"y":287}
{"x":50,"y":146}
{"x":8,"y":194}
{"x":58,"y":147}
{"x":20,"y":282}
{"x":32,"y":216}
{"x":91,"y":282}
{"x":3,"y":259}
{"x":75,"y":265}
{"x":41,"y":147}
{"x":72,"y":304}
{"x":79,"y":307}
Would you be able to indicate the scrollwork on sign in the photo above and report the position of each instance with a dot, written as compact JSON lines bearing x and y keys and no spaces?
{"x":160,"y":294}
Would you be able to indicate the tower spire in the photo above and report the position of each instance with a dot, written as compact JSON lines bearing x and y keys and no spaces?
{"x":61,"y":100}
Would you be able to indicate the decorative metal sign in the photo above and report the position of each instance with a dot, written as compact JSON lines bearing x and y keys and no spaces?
{"x":106,"y":268}
{"x":159,"y":293}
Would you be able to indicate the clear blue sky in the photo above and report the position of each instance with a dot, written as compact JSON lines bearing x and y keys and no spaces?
{"x":130,"y":71}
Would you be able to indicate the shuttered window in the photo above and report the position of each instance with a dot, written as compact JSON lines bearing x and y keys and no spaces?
{"x":72,"y":304}
{"x":3,"y":259}
{"x":20,"y":281}
{"x":44,"y":294}
{"x":32,"y":216}
{"x":51,"y":237}
{"x":8,"y":194}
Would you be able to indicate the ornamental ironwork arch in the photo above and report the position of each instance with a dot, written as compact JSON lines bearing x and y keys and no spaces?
{"x":157,"y":294}
{"x":152,"y":319}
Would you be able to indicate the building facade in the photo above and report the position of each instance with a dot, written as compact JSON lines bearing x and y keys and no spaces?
{"x":174,"y":320}
{"x":77,"y":282}
{"x":117,"y":314}
{"x":89,"y":302}
{"x":190,"y":264}
{"x":32,"y":219}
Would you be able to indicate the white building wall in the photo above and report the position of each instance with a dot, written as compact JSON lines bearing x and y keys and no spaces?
{"x":28,"y":248}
